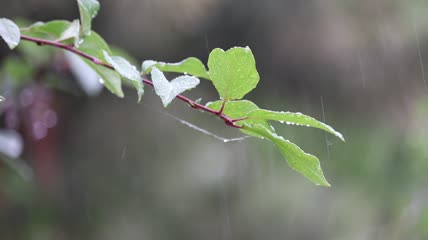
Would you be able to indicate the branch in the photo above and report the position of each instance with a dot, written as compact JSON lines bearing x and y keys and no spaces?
{"x":39,"y":41}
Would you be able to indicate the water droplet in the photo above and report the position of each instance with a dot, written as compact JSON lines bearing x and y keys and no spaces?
{"x":281,"y":121}
{"x":225,"y":140}
{"x":101,"y":80}
{"x":79,"y":42}
{"x":94,"y":14}
{"x":2,"y":99}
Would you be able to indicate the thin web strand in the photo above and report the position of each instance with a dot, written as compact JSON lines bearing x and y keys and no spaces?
{"x":327,"y":142}
{"x":206,"y":132}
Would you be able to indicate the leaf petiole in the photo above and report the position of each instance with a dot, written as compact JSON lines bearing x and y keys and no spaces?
{"x":219,"y":112}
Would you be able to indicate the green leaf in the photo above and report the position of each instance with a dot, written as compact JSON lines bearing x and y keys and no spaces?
{"x":167,"y":91}
{"x":72,"y":32}
{"x":124,"y":68}
{"x":293,"y":119}
{"x":10,"y":33}
{"x":233,"y":72}
{"x":88,"y":10}
{"x":37,"y":56}
{"x":305,"y":163}
{"x":94,"y":45}
{"x":51,"y":30}
{"x":21,"y":22}
{"x":191,"y":66}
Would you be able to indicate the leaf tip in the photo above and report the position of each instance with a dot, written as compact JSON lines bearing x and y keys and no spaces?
{"x":146,"y":65}
{"x":324,"y":183}
{"x":120,"y":94}
{"x":339,"y":135}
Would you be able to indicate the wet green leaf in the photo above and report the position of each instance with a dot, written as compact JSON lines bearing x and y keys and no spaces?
{"x":233,"y":72}
{"x":127,"y":70}
{"x":10,"y":32}
{"x":293,"y":119}
{"x":36,"y":55}
{"x":166,"y":90}
{"x":51,"y":30}
{"x":94,"y":45}
{"x":191,"y":66}
{"x":71,"y":33}
{"x":88,"y":10}
{"x":305,"y":163}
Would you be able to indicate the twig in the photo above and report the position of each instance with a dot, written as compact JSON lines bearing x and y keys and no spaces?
{"x":39,"y":41}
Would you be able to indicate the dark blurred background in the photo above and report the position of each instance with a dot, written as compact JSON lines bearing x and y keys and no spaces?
{"x":101,"y":167}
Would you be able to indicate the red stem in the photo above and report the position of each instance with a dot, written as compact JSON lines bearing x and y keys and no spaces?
{"x":219,"y":112}
{"x":227,"y":120}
